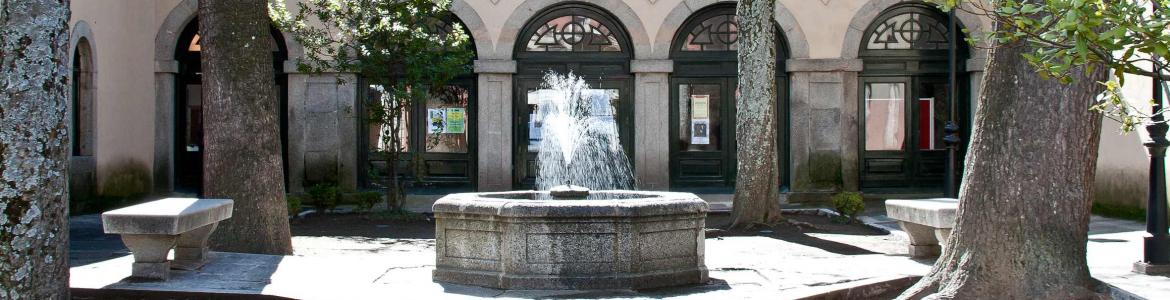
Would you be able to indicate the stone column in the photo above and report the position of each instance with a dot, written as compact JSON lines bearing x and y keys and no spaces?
{"x":823,"y":109}
{"x":165,"y":73}
{"x":651,"y":155}
{"x":494,"y":125}
{"x":322,"y":125}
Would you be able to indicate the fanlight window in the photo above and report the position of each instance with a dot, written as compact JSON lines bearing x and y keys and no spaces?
{"x":195,"y":46}
{"x":573,"y":33}
{"x":717,"y":33}
{"x":909,"y":31}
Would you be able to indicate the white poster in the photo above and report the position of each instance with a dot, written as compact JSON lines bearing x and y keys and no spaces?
{"x":436,"y":120}
{"x":700,"y":131}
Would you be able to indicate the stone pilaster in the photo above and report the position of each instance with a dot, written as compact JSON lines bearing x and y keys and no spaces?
{"x":975,"y":67}
{"x":165,"y":73}
{"x":823,"y":107}
{"x":651,"y":123}
{"x":322,"y":125}
{"x":494,"y":132}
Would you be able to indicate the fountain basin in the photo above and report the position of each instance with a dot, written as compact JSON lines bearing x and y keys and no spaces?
{"x":525,"y":240}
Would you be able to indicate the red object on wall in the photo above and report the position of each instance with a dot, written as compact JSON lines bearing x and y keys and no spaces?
{"x":925,"y":123}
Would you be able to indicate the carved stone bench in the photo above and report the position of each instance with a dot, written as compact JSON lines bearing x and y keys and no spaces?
{"x":927,"y":221}
{"x":151,"y":229}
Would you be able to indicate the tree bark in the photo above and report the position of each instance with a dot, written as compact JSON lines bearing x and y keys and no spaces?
{"x":1023,"y":216}
{"x":34,"y":224}
{"x":757,"y":189}
{"x":243,"y":155}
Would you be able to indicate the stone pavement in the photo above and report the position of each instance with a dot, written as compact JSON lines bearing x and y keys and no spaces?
{"x":1114,"y":245}
{"x":752,"y":267}
{"x":740,"y":267}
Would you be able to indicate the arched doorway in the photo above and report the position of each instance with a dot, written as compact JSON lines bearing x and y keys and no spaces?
{"x":188,"y":176}
{"x":906,"y":98}
{"x":82,"y":166}
{"x":578,"y":38}
{"x":704,"y":88}
{"x":83,"y":94}
{"x":437,"y":158}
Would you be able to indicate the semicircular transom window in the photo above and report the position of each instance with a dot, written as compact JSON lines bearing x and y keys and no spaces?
{"x":716,"y":33}
{"x":909,"y":31}
{"x":573,"y":33}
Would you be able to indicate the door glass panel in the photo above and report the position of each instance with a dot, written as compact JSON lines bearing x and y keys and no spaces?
{"x":194,"y":112}
{"x":603,"y":109}
{"x":885,"y":112}
{"x":699,"y":117}
{"x":446,"y":117}
{"x":383,"y":136}
{"x":933,"y":114}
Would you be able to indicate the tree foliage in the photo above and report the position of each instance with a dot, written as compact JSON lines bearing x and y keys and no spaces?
{"x":406,"y":50}
{"x":1126,"y":36}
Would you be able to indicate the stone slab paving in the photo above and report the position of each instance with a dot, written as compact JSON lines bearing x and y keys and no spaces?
{"x":1114,"y":245}
{"x":742,"y":267}
{"x":358,"y":267}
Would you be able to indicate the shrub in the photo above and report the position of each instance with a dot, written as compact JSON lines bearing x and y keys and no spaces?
{"x":325,"y":196}
{"x":294,"y":204}
{"x":848,"y":204}
{"x":367,"y":200}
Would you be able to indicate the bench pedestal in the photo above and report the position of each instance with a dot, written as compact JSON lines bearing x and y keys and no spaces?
{"x":191,"y":248}
{"x":925,"y":241}
{"x":150,"y":254}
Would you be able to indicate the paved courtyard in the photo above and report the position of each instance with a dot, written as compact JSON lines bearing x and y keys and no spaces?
{"x":760,"y":267}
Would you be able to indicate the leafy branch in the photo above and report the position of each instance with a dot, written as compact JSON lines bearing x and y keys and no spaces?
{"x":1130,"y":37}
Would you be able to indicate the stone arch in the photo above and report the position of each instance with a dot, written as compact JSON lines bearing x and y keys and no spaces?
{"x":82,"y":45}
{"x":797,"y":43}
{"x":82,"y":30}
{"x":172,"y":26}
{"x":868,"y":12}
{"x":618,"y":9}
{"x":479,"y":31}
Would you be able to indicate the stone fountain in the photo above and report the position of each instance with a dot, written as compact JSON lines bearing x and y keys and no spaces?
{"x":567,"y":236}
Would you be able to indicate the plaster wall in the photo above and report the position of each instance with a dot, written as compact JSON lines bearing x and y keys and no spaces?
{"x":122,"y":39}
{"x":1122,"y":161}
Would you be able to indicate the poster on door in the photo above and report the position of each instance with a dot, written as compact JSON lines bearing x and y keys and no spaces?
{"x":456,"y":121}
{"x":436,"y":120}
{"x":700,"y":119}
{"x":700,"y":131}
{"x":700,"y":106}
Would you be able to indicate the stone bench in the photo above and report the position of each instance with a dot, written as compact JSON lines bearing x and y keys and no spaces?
{"x":927,"y":221}
{"x":151,"y":229}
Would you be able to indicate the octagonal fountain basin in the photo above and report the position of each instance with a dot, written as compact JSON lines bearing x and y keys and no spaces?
{"x":529,"y":240}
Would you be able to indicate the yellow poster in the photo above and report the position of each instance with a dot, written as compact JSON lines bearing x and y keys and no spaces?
{"x":456,"y":120}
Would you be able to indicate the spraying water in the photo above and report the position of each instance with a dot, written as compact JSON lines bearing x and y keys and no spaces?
{"x":580,"y":144}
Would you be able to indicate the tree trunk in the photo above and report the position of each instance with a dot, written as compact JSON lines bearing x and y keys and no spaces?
{"x":243,"y":156}
{"x":757,"y":189}
{"x":34,"y":224}
{"x":1023,"y":216}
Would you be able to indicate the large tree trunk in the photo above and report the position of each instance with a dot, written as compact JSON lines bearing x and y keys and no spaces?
{"x":34,"y":224}
{"x":1023,"y":216}
{"x":757,"y":189}
{"x":243,"y":159}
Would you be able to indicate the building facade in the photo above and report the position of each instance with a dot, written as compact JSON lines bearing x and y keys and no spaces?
{"x":865,"y":91}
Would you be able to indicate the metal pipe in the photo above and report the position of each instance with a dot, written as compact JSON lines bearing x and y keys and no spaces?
{"x":951,"y":129}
